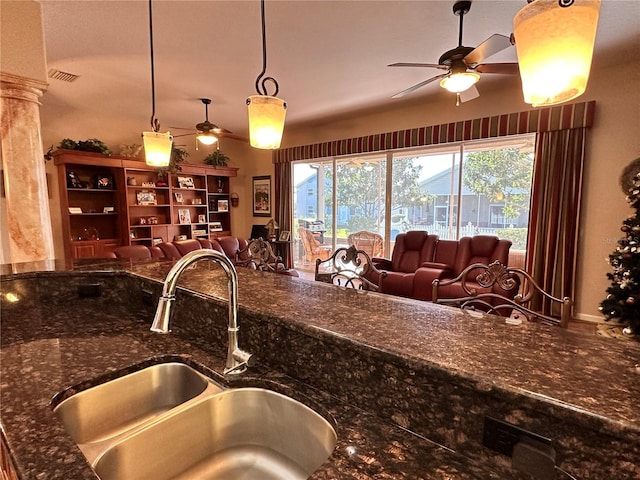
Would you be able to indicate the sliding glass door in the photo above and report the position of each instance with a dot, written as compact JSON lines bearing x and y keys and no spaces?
{"x":466,"y":189}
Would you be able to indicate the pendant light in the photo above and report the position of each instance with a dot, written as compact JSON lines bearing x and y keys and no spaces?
{"x":554,"y":41}
{"x":157,"y":146}
{"x":266,"y":112}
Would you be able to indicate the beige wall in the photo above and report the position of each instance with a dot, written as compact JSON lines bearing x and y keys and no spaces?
{"x":613,"y":142}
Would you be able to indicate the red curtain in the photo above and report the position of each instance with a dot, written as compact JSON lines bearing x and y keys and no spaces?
{"x":283,"y":189}
{"x":555,"y":211}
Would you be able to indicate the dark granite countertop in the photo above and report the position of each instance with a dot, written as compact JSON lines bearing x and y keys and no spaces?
{"x":47,"y":348}
{"x":591,"y":381}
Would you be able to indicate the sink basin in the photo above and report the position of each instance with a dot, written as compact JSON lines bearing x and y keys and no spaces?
{"x":108,"y":410}
{"x":237,"y":434}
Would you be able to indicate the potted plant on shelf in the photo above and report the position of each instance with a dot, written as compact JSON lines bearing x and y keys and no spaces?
{"x":217,"y":159}
{"x":89,"y":145}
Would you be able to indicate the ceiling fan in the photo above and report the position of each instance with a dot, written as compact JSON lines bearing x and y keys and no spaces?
{"x":463,"y":64}
{"x":206,"y":132}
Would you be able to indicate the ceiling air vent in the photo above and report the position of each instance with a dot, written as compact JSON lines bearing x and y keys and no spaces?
{"x":64,"y":76}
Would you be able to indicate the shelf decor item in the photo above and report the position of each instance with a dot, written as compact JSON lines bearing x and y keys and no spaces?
{"x":186,"y":182}
{"x":215,"y":227}
{"x":178,"y":196}
{"x":103,"y":180}
{"x":146,"y":197}
{"x":184,"y":216}
{"x":73,"y":181}
{"x":285,"y":236}
{"x":223,"y":205}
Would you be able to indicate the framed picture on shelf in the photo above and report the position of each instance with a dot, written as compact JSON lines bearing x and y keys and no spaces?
{"x":215,"y":227}
{"x":157,"y":240}
{"x":285,"y":236}
{"x":262,"y":196}
{"x":186,"y":182}
{"x":202,"y":218}
{"x":223,"y":205}
{"x":146,"y":197}
{"x":178,"y":197}
{"x":184,"y":216}
{"x":133,"y":234}
{"x":75,"y":210}
{"x":103,"y":180}
{"x":108,"y":210}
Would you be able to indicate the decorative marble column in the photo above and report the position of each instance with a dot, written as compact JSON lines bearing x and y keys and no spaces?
{"x":26,"y":216}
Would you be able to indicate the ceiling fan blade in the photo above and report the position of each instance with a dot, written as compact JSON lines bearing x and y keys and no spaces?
{"x":234,"y":137}
{"x":503,"y":68}
{"x":220,"y":131}
{"x":418,"y":85}
{"x":184,"y":135}
{"x":430,"y":65}
{"x":180,"y":128}
{"x":469,"y":94}
{"x":492,"y":45}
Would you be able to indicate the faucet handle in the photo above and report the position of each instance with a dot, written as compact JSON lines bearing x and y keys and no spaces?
{"x":241,"y":360}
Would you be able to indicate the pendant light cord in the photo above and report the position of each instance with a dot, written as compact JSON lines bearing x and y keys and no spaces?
{"x":155,"y":124}
{"x":261,"y":88}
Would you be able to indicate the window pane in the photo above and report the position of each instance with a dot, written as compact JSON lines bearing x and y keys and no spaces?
{"x":497,"y":190}
{"x":360,"y":196}
{"x":312,"y":187}
{"x":424,"y":193}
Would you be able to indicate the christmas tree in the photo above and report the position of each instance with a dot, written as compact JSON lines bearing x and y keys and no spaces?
{"x":623,"y":299}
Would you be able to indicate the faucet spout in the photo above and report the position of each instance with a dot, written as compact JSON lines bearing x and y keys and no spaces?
{"x":237,"y":359}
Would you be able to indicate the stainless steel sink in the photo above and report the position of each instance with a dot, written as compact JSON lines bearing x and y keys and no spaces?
{"x":99,"y":415}
{"x":245,"y":433}
{"x":169,"y":421}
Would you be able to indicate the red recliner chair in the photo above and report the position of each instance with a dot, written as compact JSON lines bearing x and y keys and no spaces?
{"x":232,"y":248}
{"x":411,"y":251}
{"x":451,"y":257}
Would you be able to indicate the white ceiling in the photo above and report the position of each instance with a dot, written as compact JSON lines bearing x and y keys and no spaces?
{"x":329,"y":57}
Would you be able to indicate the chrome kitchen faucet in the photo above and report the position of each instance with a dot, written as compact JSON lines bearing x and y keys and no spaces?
{"x":237,"y":359}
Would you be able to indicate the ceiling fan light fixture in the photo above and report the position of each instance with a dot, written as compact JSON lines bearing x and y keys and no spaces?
{"x":266,"y":120}
{"x":206,"y":138}
{"x":157,"y":148}
{"x":459,"y":82}
{"x":554,"y":42}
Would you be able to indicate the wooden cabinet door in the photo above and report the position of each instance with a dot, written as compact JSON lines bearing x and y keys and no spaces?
{"x":84,"y":249}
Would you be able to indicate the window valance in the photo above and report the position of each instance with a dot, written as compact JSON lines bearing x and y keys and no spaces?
{"x":561,"y":117}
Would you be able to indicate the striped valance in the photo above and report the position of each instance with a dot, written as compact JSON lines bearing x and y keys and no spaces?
{"x":562,"y":117}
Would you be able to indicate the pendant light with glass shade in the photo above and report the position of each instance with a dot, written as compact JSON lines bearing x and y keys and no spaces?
{"x":157,"y":146}
{"x":554,"y":41}
{"x":266,"y":112}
